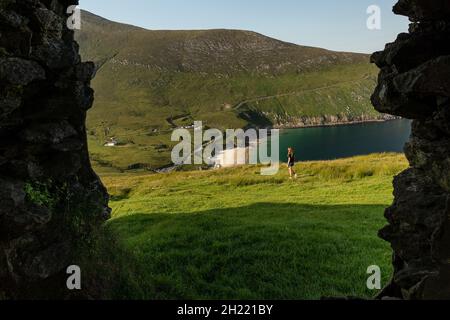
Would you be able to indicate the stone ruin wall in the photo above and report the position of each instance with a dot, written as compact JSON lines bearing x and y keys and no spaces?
{"x":414,"y":83}
{"x":50,"y":197}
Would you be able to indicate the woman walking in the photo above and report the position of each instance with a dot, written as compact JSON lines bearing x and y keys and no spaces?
{"x":291,"y":163}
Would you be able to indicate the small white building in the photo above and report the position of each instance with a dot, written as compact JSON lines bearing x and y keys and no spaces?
{"x":231,"y":158}
{"x":111,"y":143}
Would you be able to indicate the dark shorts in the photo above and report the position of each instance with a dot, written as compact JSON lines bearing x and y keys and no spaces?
{"x":291,"y":165}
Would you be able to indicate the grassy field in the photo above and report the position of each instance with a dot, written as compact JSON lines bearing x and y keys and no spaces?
{"x":234,"y":234}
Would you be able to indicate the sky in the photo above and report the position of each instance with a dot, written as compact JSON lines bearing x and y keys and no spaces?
{"x":339,"y":25}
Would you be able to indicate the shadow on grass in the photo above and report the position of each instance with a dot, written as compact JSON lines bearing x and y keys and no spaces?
{"x":262,"y":251}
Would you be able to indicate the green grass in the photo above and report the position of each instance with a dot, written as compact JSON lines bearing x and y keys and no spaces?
{"x":234,"y":234}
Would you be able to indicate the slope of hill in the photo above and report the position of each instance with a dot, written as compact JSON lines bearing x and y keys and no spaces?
{"x":234,"y":234}
{"x":151,"y":81}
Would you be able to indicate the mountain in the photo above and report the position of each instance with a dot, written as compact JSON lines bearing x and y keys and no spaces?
{"x":207,"y":51}
{"x":149,"y":82}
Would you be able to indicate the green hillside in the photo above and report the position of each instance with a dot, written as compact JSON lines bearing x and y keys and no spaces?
{"x":234,"y":234}
{"x":151,"y":81}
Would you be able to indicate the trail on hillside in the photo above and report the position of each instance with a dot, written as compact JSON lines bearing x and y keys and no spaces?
{"x":281,"y":95}
{"x":171,"y":120}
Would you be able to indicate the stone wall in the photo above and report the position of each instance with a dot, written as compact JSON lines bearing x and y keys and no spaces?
{"x":414,"y":82}
{"x":51,"y":200}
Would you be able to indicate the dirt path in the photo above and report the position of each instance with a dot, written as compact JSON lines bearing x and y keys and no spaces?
{"x":263,"y":98}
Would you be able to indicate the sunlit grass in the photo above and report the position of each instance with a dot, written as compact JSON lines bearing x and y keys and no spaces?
{"x":234,"y":234}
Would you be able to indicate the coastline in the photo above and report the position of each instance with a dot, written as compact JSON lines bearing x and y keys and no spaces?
{"x":337,"y":124}
{"x":170,"y":168}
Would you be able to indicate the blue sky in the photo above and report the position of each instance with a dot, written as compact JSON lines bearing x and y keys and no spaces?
{"x":333,"y":24}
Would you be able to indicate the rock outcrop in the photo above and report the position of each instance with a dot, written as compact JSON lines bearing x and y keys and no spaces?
{"x":51,"y":200}
{"x":415,"y":83}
